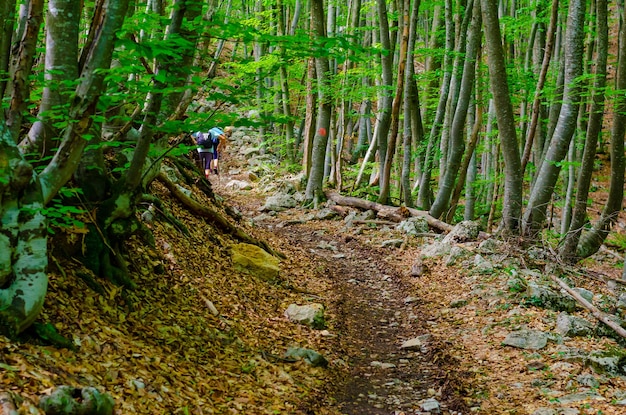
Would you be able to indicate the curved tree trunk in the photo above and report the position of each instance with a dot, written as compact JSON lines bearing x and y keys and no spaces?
{"x":591,"y":241}
{"x":23,"y":247}
{"x":579,"y":215}
{"x":385,"y":182}
{"x":424,"y":194}
{"x":541,"y":193}
{"x":457,"y":129}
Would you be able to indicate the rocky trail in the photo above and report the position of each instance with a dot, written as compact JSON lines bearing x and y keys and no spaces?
{"x":415,"y":322}
{"x":373,"y":315}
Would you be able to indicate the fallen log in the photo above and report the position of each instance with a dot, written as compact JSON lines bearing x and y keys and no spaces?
{"x":603,"y":317}
{"x":392,"y":213}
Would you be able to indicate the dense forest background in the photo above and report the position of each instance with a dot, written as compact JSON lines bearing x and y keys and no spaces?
{"x":508,"y":113}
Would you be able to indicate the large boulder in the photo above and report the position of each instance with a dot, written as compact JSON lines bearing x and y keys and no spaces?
{"x":253,"y":260}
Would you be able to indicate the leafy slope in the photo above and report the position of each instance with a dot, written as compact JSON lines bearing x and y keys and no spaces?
{"x":159,"y":349}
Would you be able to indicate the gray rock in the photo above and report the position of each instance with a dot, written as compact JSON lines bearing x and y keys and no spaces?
{"x":325,"y":214}
{"x":543,"y":296}
{"x":527,"y":339}
{"x":431,"y":405}
{"x":572,"y":326}
{"x":607,"y":362}
{"x":435,"y":249}
{"x":310,"y":356}
{"x":464,"y":231}
{"x":489,"y":246}
{"x":413,"y":226}
{"x":588,"y":380}
{"x":456,"y":253}
{"x":279,"y":202}
{"x":392,"y":243}
{"x":544,"y":411}
{"x":580,"y":396}
{"x":238,"y":185}
{"x":416,"y":343}
{"x":308,"y":314}
{"x":482,"y":266}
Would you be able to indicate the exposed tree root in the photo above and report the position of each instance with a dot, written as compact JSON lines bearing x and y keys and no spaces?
{"x":214,"y":216}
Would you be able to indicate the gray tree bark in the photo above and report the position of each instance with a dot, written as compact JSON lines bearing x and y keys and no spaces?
{"x":512,"y":203}
{"x":541,"y":193}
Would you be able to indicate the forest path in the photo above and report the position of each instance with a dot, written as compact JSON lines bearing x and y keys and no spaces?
{"x":373,"y":313}
{"x":372,"y":308}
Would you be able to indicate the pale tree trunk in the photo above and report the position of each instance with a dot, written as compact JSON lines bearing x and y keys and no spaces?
{"x":541,"y":193}
{"x":460,"y":55}
{"x":23,"y":252}
{"x":385,"y":102}
{"x":594,"y":127}
{"x":314,"y":189}
{"x":545,"y":65}
{"x":425,"y":191}
{"x":413,"y":131}
{"x":457,"y":129}
{"x":592,"y":240}
{"x":284,"y":86}
{"x":512,"y":203}
{"x":220,"y":45}
{"x":385,"y":182}
{"x":20,"y":85}
{"x":310,"y":119}
{"x":62,"y":27}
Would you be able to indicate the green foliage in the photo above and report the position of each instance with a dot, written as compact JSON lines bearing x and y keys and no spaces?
{"x":617,"y":241}
{"x":61,"y":215}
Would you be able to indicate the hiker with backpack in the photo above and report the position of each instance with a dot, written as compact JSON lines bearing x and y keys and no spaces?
{"x":210,"y":144}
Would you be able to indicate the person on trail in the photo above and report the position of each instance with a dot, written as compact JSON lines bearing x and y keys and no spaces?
{"x":210,"y":144}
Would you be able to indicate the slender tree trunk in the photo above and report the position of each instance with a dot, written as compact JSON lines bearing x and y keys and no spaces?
{"x":594,"y":127}
{"x":591,"y":241}
{"x":512,"y":203}
{"x":7,"y":20}
{"x":385,"y":104}
{"x":413,"y":131}
{"x":541,"y":193}
{"x":20,"y":91}
{"x":424,"y":195}
{"x":62,"y":29}
{"x":395,"y":111}
{"x":314,"y":189}
{"x":536,"y":107}
{"x":457,"y":141}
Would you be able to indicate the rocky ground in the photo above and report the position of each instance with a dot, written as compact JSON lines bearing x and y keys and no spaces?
{"x":413,"y":323}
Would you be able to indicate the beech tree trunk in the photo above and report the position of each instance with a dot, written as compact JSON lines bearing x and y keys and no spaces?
{"x":23,"y":246}
{"x":541,"y":193}
{"x":512,"y":203}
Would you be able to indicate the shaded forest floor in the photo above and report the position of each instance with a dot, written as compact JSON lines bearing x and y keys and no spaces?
{"x":198,"y":337}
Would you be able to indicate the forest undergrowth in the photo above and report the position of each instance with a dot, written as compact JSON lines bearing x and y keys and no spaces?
{"x":198,"y":337}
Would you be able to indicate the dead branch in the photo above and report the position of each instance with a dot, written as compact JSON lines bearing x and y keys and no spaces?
{"x":213,"y":215}
{"x":388,"y":212}
{"x":603,"y":317}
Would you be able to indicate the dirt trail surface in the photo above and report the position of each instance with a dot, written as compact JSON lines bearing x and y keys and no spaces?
{"x":372,"y":313}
